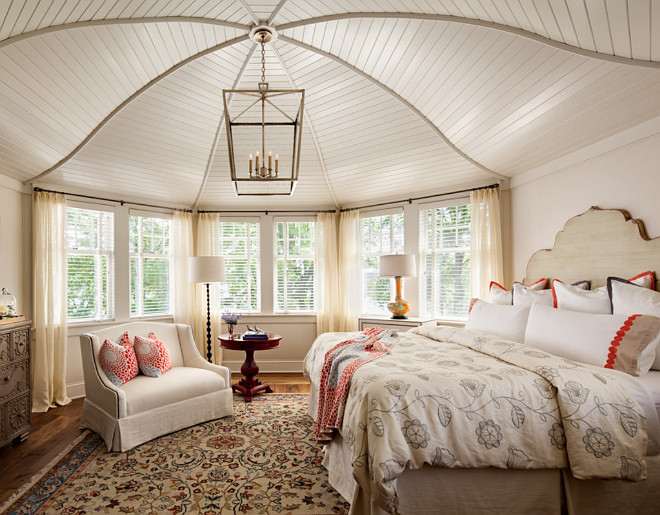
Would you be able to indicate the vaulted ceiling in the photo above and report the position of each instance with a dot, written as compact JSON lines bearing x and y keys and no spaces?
{"x":124,"y":97}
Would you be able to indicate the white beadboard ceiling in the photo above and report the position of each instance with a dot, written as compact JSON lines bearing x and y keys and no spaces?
{"x":123,"y":98}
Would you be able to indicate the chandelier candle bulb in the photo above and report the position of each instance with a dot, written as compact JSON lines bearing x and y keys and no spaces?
{"x":277,"y":161}
{"x":257,"y":162}
{"x":270,"y":160}
{"x":250,"y":164}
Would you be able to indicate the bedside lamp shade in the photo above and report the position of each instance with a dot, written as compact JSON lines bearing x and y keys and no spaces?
{"x":207,"y":269}
{"x":398,"y":265}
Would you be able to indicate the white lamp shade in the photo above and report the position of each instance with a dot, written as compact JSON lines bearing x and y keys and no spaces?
{"x":207,"y":269}
{"x":398,"y":265}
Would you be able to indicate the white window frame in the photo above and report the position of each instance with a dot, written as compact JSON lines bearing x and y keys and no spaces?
{"x":220,"y":290}
{"x":109,"y":254}
{"x":140,"y":256}
{"x":285,"y":257}
{"x":423,"y":254}
{"x":363,"y":255}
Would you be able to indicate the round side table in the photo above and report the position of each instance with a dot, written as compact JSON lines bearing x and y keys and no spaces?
{"x":249,"y":385}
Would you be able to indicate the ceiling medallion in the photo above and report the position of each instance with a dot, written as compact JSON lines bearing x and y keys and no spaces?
{"x":259,"y":121}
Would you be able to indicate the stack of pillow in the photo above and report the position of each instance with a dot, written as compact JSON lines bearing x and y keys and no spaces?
{"x":124,"y":358}
{"x":615,"y":326}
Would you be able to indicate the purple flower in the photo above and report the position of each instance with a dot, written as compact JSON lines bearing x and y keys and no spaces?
{"x":230,"y":318}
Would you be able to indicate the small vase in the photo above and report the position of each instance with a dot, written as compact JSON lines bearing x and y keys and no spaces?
{"x":231,"y":330}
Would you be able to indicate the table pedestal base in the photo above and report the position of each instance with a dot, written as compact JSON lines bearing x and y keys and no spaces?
{"x":250,"y":385}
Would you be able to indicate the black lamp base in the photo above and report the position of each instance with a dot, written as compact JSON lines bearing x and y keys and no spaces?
{"x":399,"y":317}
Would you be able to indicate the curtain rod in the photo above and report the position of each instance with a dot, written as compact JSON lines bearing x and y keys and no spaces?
{"x":410,"y":200}
{"x":121,"y":202}
{"x":267,"y":211}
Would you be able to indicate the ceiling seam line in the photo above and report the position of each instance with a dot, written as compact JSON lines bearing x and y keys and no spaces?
{"x":221,"y":124}
{"x":310,"y":125}
{"x":398,"y":97}
{"x":479,"y":23}
{"x":121,"y":21}
{"x":250,"y":12}
{"x":133,"y":96}
{"x":276,"y":11}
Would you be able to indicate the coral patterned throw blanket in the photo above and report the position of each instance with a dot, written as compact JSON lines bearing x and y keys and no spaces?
{"x":338,"y":366}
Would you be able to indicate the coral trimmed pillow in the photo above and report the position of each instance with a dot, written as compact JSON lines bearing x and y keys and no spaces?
{"x":630,"y":299}
{"x":152,"y":355}
{"x":620,"y":342}
{"x":498,"y":294}
{"x":507,"y":322}
{"x":118,"y":360}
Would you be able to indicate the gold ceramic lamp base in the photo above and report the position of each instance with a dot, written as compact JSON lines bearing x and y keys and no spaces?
{"x":398,"y":307}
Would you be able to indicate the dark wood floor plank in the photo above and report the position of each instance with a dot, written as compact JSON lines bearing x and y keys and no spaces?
{"x":55,"y":430}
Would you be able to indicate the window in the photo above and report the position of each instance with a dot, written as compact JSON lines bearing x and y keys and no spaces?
{"x":294,"y":266}
{"x":379,"y":235}
{"x":90,"y":263}
{"x":151,"y":264}
{"x":239,"y":244}
{"x":445,"y":237}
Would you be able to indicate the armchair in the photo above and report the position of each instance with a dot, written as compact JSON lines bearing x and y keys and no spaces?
{"x":191,"y":392}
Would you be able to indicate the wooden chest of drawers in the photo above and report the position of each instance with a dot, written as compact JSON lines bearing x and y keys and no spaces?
{"x":15,"y":397}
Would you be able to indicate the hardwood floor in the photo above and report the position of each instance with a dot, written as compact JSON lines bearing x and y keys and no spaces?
{"x":53,"y":431}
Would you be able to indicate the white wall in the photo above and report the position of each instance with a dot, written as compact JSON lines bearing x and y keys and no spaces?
{"x":621,"y":172}
{"x":16,"y":243}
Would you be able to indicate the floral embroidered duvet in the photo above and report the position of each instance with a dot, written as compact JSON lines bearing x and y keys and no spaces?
{"x":453,"y":398}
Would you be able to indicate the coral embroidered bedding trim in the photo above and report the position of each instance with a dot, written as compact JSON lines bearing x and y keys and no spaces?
{"x":453,"y":398}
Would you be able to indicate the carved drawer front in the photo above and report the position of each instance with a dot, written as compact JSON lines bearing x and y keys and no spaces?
{"x":20,"y":343}
{"x":14,"y":379}
{"x":3,"y":423}
{"x":18,"y":415}
{"x":4,"y":348}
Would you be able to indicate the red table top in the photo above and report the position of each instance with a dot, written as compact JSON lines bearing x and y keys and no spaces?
{"x":237,"y":342}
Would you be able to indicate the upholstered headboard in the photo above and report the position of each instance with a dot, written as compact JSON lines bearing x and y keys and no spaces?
{"x":595,"y":245}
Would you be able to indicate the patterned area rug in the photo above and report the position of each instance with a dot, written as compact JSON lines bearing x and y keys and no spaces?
{"x":263,"y":459}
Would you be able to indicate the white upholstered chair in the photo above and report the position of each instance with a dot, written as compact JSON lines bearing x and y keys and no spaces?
{"x":191,"y":392}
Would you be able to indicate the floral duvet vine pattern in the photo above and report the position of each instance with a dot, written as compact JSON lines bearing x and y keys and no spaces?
{"x":453,"y":398}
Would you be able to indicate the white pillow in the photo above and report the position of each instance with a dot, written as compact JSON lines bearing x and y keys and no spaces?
{"x":498,"y":294}
{"x":611,"y":341}
{"x":507,"y":322}
{"x":630,"y":299}
{"x":524,"y":296}
{"x":591,"y":301}
{"x":574,"y":298}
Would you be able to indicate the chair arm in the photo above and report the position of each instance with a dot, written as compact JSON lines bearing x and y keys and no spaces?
{"x":98,"y":388}
{"x":192,"y":356}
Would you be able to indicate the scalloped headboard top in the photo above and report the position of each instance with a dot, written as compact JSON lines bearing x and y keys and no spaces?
{"x":595,"y":245}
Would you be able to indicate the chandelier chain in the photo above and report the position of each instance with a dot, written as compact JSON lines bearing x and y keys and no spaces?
{"x":263,"y":58}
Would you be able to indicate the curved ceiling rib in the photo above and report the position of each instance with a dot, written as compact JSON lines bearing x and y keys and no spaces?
{"x":397,"y":97}
{"x":122,"y":21}
{"x":478,"y":23}
{"x":310,"y":126}
{"x":137,"y":93}
{"x":221,"y":123}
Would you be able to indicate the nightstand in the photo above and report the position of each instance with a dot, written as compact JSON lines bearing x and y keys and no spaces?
{"x":403,"y":324}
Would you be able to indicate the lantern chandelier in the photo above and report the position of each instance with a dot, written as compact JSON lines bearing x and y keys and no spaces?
{"x":260,"y":124}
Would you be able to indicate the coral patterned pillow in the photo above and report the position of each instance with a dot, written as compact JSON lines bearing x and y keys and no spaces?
{"x":118,"y":360}
{"x":152,"y":355}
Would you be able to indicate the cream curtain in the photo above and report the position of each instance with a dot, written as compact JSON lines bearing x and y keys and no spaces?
{"x":184,"y":290}
{"x":207,"y":245}
{"x":486,"y":241}
{"x":50,"y":302}
{"x":328,"y":315}
{"x":348,"y":271}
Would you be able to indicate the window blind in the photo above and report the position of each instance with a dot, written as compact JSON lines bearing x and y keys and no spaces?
{"x":379,"y":235}
{"x":90,"y":264}
{"x":295,"y":270}
{"x":445,"y":235}
{"x":151,"y":262}
{"x":238,"y":242}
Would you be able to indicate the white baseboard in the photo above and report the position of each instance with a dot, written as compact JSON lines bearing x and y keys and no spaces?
{"x":280,"y":366}
{"x":76,"y":390}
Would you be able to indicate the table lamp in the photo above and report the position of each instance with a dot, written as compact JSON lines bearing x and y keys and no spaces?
{"x":207,"y":269}
{"x":398,"y":266}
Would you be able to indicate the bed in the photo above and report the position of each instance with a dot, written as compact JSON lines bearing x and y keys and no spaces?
{"x":506,"y":451}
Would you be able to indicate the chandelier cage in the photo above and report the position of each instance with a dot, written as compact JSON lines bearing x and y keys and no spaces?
{"x":264,"y":132}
